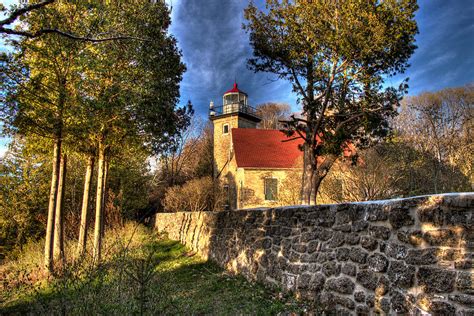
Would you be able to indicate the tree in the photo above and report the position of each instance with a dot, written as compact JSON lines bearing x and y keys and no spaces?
{"x":336,"y":54}
{"x":40,"y":79}
{"x":21,"y":11}
{"x":131,"y":90}
{"x":440,"y":123}
{"x":272,"y":114}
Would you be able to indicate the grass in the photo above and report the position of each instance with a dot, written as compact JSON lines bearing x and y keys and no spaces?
{"x":142,"y":273}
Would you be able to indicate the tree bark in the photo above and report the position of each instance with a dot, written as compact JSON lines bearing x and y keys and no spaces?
{"x":48,"y":247}
{"x":310,"y":166}
{"x":81,"y":246}
{"x":98,"y":206}
{"x":104,"y":194}
{"x":58,"y":250}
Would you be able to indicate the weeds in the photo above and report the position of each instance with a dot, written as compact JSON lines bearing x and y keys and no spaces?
{"x":142,"y":273}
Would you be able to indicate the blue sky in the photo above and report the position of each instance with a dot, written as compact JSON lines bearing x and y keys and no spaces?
{"x":215,"y":50}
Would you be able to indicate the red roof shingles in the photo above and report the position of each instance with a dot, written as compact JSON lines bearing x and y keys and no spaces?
{"x":259,"y":148}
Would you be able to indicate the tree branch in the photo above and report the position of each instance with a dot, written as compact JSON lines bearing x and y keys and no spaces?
{"x":19,"y":12}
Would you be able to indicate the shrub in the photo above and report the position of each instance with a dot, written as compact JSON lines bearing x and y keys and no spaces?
{"x":197,"y":195}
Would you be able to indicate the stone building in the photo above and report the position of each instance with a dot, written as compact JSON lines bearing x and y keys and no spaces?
{"x":253,"y":164}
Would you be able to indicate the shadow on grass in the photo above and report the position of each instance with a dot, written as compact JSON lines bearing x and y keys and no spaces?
{"x":161,"y":278}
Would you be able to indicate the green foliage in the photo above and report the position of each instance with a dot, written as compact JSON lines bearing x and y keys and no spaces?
{"x":336,"y":54}
{"x":24,"y":178}
{"x":142,"y":273}
{"x":24,"y":186}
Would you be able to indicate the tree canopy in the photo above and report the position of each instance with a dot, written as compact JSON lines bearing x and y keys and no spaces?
{"x":336,"y":54}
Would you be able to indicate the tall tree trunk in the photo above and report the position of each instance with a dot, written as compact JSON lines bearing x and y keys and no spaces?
{"x":81,"y":246}
{"x":58,"y":250}
{"x":98,"y":205}
{"x":48,"y":247}
{"x":104,"y":194}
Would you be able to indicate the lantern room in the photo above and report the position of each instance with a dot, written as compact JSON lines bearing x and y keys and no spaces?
{"x":234,"y":97}
{"x":234,"y":102}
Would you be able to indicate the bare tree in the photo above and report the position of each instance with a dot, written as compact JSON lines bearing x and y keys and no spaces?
{"x":441,"y":123}
{"x":272,"y":113}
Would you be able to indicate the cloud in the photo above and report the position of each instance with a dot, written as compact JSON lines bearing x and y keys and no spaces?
{"x":216,"y":49}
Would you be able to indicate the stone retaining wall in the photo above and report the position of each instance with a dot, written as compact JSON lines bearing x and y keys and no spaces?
{"x":395,"y":256}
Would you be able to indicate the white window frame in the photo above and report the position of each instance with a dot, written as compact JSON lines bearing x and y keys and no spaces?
{"x":223,"y":128}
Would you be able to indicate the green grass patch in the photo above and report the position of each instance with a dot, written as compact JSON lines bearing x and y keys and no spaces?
{"x":147,"y":275}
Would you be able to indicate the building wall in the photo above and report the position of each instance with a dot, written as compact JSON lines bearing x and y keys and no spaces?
{"x":223,"y":142}
{"x":399,"y":256}
{"x":251,"y":187}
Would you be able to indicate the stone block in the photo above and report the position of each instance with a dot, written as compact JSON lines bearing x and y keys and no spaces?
{"x":463,"y":299}
{"x":359,"y":296}
{"x":441,"y":308}
{"x":336,"y":240}
{"x":362,"y":310}
{"x":431,"y":214}
{"x":352,"y":239}
{"x":442,"y":237}
{"x":342,"y":285}
{"x":313,"y":246}
{"x":383,"y":286}
{"x":395,"y":250}
{"x":380,"y":232}
{"x":422,"y":256}
{"x":342,"y":254}
{"x":460,"y":218}
{"x":358,"y":255}
{"x":401,"y":274}
{"x":464,"y":264}
{"x":369,"y":243}
{"x":377,"y":214}
{"x":465,"y":282}
{"x":399,"y":303}
{"x":317,"y":282}
{"x":367,"y":279}
{"x":377,"y":262}
{"x":359,"y":226}
{"x":323,"y":234}
{"x":331,"y":268}
{"x":400,"y":217}
{"x":300,"y":248}
{"x":412,"y":237}
{"x":435,"y":280}
{"x":349,"y":269}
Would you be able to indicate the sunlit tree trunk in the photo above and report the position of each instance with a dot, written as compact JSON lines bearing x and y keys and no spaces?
{"x":98,"y":205}
{"x":58,"y":251}
{"x":48,"y":247}
{"x":104,"y":194}
{"x":309,"y":192}
{"x":85,"y":207}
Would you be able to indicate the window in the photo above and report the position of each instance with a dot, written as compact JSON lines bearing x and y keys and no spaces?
{"x":271,"y":189}
{"x":225,"y":129}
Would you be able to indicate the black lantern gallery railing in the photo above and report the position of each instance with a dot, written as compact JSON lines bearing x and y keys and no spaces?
{"x":232,"y":108}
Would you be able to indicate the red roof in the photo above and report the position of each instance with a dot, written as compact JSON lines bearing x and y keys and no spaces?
{"x":269,"y":148}
{"x":263,"y":148}
{"x":235,"y":89}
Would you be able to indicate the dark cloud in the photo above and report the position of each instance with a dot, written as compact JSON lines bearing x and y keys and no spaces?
{"x":216,"y":48}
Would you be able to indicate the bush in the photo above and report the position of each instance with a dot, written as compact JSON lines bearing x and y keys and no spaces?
{"x":197,"y":195}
